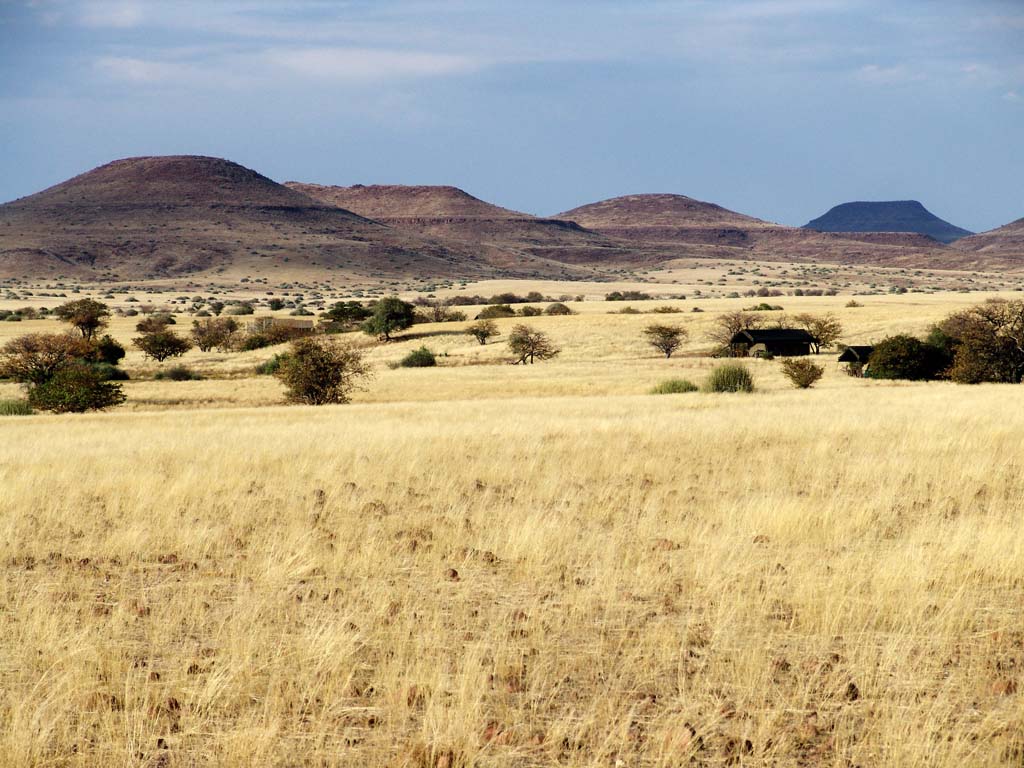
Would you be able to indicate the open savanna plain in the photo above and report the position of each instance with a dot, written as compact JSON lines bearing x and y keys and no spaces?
{"x":486,"y":565}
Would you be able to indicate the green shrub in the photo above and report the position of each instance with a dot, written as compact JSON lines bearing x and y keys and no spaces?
{"x":75,"y":388}
{"x":178,"y":373}
{"x":110,"y":372}
{"x":271,"y":366}
{"x":419,"y":358}
{"x":558,"y":308}
{"x":494,"y":311}
{"x":674,"y":387}
{"x":531,"y":311}
{"x":906,"y":357}
{"x":15,"y":408}
{"x":731,"y":377}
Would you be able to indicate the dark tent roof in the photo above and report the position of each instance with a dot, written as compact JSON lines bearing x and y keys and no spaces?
{"x":773,"y":335}
{"x":858,"y":353}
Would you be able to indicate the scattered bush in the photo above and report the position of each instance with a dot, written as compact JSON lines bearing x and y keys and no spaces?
{"x":155,"y":323}
{"x":272,"y":365}
{"x":495,"y":311}
{"x":110,"y":372}
{"x":763,"y":307}
{"x":626,"y":296}
{"x":482,"y":330}
{"x":34,"y":359}
{"x":666,"y":309}
{"x":558,"y":308}
{"x":317,"y":371}
{"x":803,"y":373}
{"x":731,"y":377}
{"x":108,"y":351}
{"x":15,"y":408}
{"x":216,"y":332}
{"x":178,"y":373}
{"x":419,"y":358}
{"x":161,"y":345}
{"x":674,"y":387}
{"x":531,"y":312}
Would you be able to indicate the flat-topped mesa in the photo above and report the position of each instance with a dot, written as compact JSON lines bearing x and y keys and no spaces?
{"x":887,"y":216}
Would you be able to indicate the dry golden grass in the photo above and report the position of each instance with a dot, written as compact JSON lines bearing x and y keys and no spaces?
{"x":485,"y":565}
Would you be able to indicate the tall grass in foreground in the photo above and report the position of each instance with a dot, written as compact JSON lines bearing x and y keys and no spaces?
{"x":744,"y":581}
{"x":15,"y":408}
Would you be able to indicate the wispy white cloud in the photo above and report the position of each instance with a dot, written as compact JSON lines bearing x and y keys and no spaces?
{"x":894,"y":75}
{"x":365,"y":64}
{"x":1011,"y":96}
{"x":119,"y":14}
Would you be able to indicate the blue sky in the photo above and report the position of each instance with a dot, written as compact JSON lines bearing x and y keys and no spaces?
{"x":775,"y":108}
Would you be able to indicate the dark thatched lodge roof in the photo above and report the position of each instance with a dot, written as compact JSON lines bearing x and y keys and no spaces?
{"x":773,"y":336}
{"x":858,"y":353}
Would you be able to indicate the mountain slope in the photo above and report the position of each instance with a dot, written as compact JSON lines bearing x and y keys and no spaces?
{"x":150,"y":217}
{"x":1005,"y":242}
{"x":453,"y":215}
{"x":891,"y":216}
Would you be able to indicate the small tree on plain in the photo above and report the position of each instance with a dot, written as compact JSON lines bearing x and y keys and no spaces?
{"x":214,"y":332}
{"x":528,"y":344}
{"x":801,"y":372}
{"x":87,"y":315}
{"x":729,"y":324}
{"x":665,"y":338}
{"x":482,"y":330}
{"x":75,"y":388}
{"x":155,"y":322}
{"x":36,"y":358}
{"x":826,"y":329}
{"x":161,"y":345}
{"x":390,"y":315}
{"x":319,"y":371}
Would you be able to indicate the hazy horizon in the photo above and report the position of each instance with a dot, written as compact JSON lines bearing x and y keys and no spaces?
{"x":778,"y":109}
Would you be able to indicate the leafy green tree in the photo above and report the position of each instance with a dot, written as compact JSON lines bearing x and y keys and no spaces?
{"x":87,"y":315}
{"x":347,"y":313}
{"x":906,"y":357}
{"x":75,"y":388}
{"x":161,"y":345}
{"x":390,"y":315}
{"x":108,"y":351}
{"x":319,"y":371}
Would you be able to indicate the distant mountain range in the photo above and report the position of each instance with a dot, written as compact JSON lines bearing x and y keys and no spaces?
{"x":892,"y":216}
{"x":167,"y":217}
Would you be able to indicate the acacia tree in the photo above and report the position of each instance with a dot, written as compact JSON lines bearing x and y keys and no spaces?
{"x":36,"y":358}
{"x":161,"y":345}
{"x":727,"y":325}
{"x":666,"y":338}
{"x":826,"y":329}
{"x":319,"y":371}
{"x":482,"y":330}
{"x":214,"y":332}
{"x":390,"y":314}
{"x":986,"y":342}
{"x":529,"y":344}
{"x":87,"y":315}
{"x":58,"y":372}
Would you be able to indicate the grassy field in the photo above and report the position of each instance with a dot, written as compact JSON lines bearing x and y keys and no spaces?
{"x":486,"y":565}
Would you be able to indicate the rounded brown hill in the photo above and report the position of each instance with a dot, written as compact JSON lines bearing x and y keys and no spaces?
{"x":654,"y":210}
{"x":166,"y":216}
{"x":169,"y":180}
{"x":391,"y":201}
{"x":1005,"y":241}
{"x":449,"y":213}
